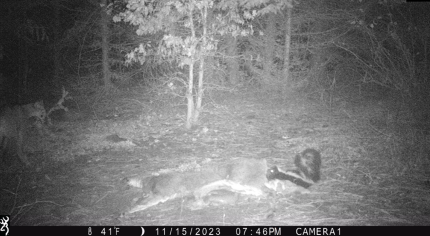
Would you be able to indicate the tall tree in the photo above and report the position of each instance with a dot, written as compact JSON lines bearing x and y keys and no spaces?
{"x":269,"y":48}
{"x":104,"y":33}
{"x":56,"y":39}
{"x":287,"y":47}
{"x":233,"y":62}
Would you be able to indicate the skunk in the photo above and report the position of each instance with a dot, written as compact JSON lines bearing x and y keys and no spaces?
{"x":307,"y":172}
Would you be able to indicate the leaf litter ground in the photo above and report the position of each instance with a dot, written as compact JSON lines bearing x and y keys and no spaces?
{"x":83,"y":181}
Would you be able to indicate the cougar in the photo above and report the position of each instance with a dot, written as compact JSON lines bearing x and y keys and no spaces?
{"x":244,"y":176}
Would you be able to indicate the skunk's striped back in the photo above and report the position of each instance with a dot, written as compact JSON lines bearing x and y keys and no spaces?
{"x":292,"y":176}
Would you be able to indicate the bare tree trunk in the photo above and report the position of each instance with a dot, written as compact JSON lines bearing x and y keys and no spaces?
{"x":202,"y":66}
{"x":287,"y":49}
{"x":105,"y":44}
{"x":24,"y":70}
{"x":316,"y":61}
{"x":209,"y":75}
{"x":56,"y":46}
{"x":232,"y":61}
{"x":269,"y":49}
{"x":190,"y":99}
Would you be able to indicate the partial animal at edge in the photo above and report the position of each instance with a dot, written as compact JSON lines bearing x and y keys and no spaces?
{"x":14,"y":122}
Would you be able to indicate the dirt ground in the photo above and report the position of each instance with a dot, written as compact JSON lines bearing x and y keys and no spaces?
{"x":79,"y":179}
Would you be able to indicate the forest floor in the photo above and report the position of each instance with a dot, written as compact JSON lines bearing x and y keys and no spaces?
{"x":79,"y":177}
